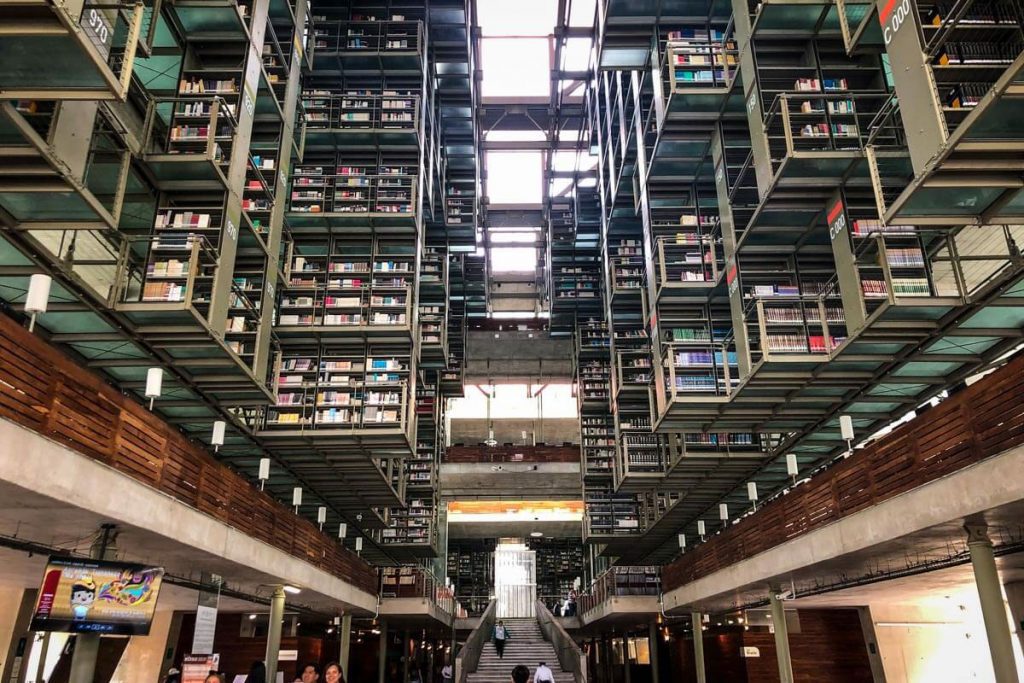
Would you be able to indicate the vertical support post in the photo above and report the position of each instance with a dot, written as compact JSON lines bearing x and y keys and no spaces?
{"x":698,"y":647}
{"x":87,"y":645}
{"x":652,"y":650}
{"x":406,"y":649}
{"x":382,"y":655}
{"x":345,"y":636}
{"x":781,"y":637}
{"x":993,"y":609}
{"x":625,"y":658}
{"x":274,"y":631}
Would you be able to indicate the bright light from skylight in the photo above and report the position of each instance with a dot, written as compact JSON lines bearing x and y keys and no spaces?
{"x":515,"y":136}
{"x":581,"y":13}
{"x":513,"y":259}
{"x":515,"y":67}
{"x":519,"y":18}
{"x":514,"y":177}
{"x":513,"y":237}
{"x":576,"y":54}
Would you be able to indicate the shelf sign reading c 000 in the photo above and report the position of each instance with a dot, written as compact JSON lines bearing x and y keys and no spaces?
{"x":836,"y":219}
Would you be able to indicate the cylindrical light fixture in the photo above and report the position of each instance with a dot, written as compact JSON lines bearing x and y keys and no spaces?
{"x":154,"y":384}
{"x":218,"y":434}
{"x":682,"y":541}
{"x":752,"y":491}
{"x":321,"y":516}
{"x":264,"y":471}
{"x":359,"y":544}
{"x":342,"y":530}
{"x":723,"y":512}
{"x":297,"y":498}
{"x":38,"y":297}
{"x":846,"y":427}
{"x":702,"y":530}
{"x":792,"y":466}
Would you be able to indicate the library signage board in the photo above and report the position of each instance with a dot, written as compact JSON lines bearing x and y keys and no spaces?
{"x":845,"y":263}
{"x":98,"y":28}
{"x":93,"y":596}
{"x":195,"y":668}
{"x":913,"y":79}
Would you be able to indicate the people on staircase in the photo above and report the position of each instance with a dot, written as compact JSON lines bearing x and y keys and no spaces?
{"x":500,"y":636}
{"x":543,"y":674}
{"x":520,"y":674}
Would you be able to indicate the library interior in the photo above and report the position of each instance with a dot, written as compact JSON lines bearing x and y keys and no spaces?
{"x":477,"y":341}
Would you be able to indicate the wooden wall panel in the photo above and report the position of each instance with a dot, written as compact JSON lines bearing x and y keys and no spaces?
{"x":45,"y":391}
{"x":983,"y":420}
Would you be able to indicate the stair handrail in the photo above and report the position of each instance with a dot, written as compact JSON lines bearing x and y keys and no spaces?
{"x":570,"y":656}
{"x":469,"y":655}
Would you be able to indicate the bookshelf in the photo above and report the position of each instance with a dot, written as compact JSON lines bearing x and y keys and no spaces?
{"x":559,"y":564}
{"x":700,"y":57}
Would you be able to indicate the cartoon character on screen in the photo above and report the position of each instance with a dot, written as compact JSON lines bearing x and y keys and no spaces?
{"x":83,"y":594}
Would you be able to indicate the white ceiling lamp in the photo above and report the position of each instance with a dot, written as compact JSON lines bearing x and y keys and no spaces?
{"x":752,"y":492}
{"x":297,"y":498}
{"x":359,"y":545}
{"x":38,"y":297}
{"x":321,"y":516}
{"x":702,"y":530}
{"x":723,"y":513}
{"x":342,"y":530}
{"x":264,"y":473}
{"x":154,"y":384}
{"x":846,"y":427}
{"x":792,"y":466}
{"x":217,"y":439}
{"x":682,"y":542}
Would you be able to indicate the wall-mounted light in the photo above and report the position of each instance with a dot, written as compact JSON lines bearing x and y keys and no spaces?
{"x":342,"y":530}
{"x":682,"y":541}
{"x":792,"y":466}
{"x":846,"y":428}
{"x":217,"y":439}
{"x":294,"y":590}
{"x":701,"y":529}
{"x":38,"y":297}
{"x":321,"y":516}
{"x":752,"y":492}
{"x":359,"y":545}
{"x":297,"y":498}
{"x":723,"y":512}
{"x":154,"y":384}
{"x":264,"y":473}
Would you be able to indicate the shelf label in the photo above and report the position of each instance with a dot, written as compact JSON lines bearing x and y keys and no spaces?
{"x":749,"y":652}
{"x":270,"y":289}
{"x":892,"y":15}
{"x":232,"y":230}
{"x":731,"y":279}
{"x":98,"y":28}
{"x":249,"y":100}
{"x":836,"y":219}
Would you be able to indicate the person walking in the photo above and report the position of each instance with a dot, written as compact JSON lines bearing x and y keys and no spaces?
{"x":500,"y":636}
{"x":446,"y":673}
{"x":543,"y":674}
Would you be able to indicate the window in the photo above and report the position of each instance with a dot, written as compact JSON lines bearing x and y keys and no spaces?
{"x":515,"y":67}
{"x":512,"y":401}
{"x":581,"y":12}
{"x":513,"y":237}
{"x":514,"y":177}
{"x":513,"y":259}
{"x":576,"y":54}
{"x":519,"y":18}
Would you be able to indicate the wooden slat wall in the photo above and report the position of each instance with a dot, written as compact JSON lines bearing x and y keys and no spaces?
{"x":983,"y":420}
{"x":45,"y":391}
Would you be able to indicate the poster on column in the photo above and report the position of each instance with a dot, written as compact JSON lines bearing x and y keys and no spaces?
{"x":93,"y":596}
{"x":195,"y":668}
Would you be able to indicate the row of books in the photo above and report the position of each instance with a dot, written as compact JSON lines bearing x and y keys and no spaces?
{"x":816,"y":84}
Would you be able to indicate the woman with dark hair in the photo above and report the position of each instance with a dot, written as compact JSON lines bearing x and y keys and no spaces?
{"x":332,"y":673}
{"x":257,"y":673}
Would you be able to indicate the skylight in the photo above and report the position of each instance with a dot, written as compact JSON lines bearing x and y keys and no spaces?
{"x":514,"y":177}
{"x":515,"y":67}
{"x":513,"y":259}
{"x":519,"y":18}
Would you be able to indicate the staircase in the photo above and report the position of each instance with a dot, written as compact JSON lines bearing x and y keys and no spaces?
{"x":526,"y":646}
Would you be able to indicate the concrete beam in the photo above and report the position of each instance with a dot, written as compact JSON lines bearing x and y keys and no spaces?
{"x":984,"y":486}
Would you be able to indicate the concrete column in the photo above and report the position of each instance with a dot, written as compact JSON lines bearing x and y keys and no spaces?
{"x":87,"y":645}
{"x":382,"y":656}
{"x":993,"y":609}
{"x":698,"y":646}
{"x":652,"y":647}
{"x":345,"y":636}
{"x":781,"y":637}
{"x":274,"y":632}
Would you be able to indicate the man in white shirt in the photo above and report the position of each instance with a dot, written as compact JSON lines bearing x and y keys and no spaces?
{"x":446,"y":673}
{"x":543,"y":674}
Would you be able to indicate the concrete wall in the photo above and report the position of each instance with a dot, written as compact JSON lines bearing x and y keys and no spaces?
{"x":552,"y":430}
{"x":941,"y":639}
{"x":10,"y":601}
{"x":142,"y":658}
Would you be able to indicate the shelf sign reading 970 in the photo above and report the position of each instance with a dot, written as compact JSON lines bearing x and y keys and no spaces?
{"x":91,"y":596}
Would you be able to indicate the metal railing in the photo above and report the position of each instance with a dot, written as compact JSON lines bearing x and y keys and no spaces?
{"x":699,"y":368}
{"x":687,"y":260}
{"x":416,"y":582}
{"x":570,"y":657}
{"x":469,"y":655}
{"x":354,"y":193}
{"x":368,"y":37}
{"x":193,"y":126}
{"x":621,"y":581}
{"x":167,"y":269}
{"x":352,"y":307}
{"x":309,"y":403}
{"x":713,"y":63}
